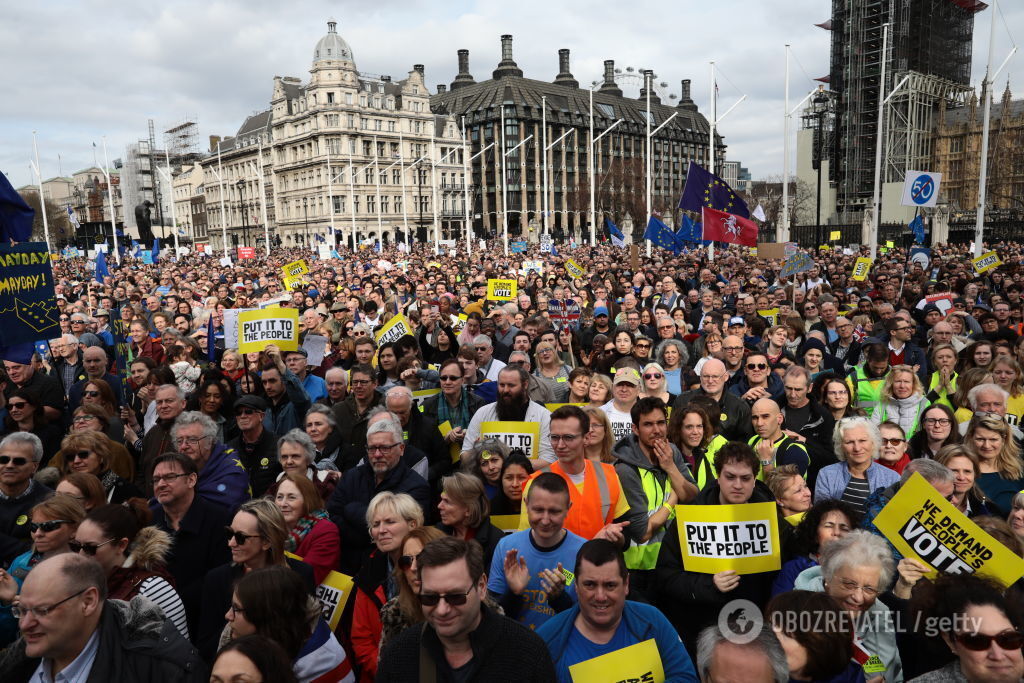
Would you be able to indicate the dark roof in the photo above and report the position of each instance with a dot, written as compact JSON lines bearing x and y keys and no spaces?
{"x":255,"y":123}
{"x":566,"y":106}
{"x":962,"y":115}
{"x":292,"y":90}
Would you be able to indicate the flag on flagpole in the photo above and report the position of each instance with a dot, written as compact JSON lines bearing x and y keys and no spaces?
{"x":73,"y":218}
{"x":705,"y":189}
{"x":618,"y":239}
{"x":101,"y":267}
{"x":917,"y":226}
{"x":210,"y":350}
{"x":759,"y":214}
{"x":15,"y":215}
{"x":662,"y":236}
{"x":726,"y":227}
{"x":156,"y":249}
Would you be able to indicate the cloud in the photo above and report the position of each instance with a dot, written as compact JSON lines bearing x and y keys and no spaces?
{"x":91,"y":68}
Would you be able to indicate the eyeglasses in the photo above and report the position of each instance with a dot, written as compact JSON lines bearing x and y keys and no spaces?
{"x":238,"y":536}
{"x":17,"y":462}
{"x":18,"y":611}
{"x":453,"y":599}
{"x":380,"y":449}
{"x":17,"y":405}
{"x":47,"y":526}
{"x":236,"y":610}
{"x":732,"y":348}
{"x":169,"y":478}
{"x":713,"y":378}
{"x":247,"y":411}
{"x":941,"y":421}
{"x":608,"y":352}
{"x":757,"y":366}
{"x":80,"y":455}
{"x":450,"y":378}
{"x":564,"y":438}
{"x":406,"y":561}
{"x":851,"y":586}
{"x":359,"y":382}
{"x":64,"y":320}
{"x":642,"y":346}
{"x":190,"y":440}
{"x":87,"y":548}
{"x":1007,"y":640}
{"x":892,"y":442}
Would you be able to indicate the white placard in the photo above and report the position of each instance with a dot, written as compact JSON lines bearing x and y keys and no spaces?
{"x":921,"y":188}
{"x":316,"y":346}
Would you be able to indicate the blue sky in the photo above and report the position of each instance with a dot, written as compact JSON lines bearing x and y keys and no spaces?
{"x":78,"y":71}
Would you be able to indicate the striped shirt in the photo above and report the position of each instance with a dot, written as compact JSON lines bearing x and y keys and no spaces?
{"x":163,"y":594}
{"x":856,"y":494}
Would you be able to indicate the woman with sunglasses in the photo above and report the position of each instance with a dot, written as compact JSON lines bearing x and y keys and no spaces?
{"x":89,"y":452}
{"x":256,"y":538}
{"x":98,"y":392}
{"x":133,"y":555}
{"x":455,"y":405}
{"x":390,"y":517}
{"x":404,"y":610}
{"x":655,"y":385}
{"x":52,"y":527}
{"x":550,"y":369}
{"x":273,"y":603}
{"x":311,"y":535}
{"x":25,"y":414}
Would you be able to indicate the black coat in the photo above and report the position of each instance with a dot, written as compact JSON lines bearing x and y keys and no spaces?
{"x":347,"y":506}
{"x":259,"y":459}
{"x":14,"y":519}
{"x":735,"y":416}
{"x":503,"y":650}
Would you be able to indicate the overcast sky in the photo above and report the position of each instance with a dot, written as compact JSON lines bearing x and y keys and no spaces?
{"x":83,"y":69}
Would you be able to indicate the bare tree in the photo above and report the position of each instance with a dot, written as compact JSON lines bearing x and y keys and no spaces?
{"x":768,"y":193}
{"x":57,"y":218}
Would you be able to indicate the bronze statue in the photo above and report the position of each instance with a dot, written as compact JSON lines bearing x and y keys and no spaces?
{"x":144,"y":222}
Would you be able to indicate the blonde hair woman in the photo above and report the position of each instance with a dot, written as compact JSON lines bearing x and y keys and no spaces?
{"x":1007,"y":374}
{"x":598,"y":441}
{"x":1002,"y":472}
{"x":655,"y":384}
{"x":902,"y":400}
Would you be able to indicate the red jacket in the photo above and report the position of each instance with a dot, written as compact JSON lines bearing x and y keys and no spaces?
{"x":320,"y":549}
{"x":366,"y":631}
{"x":149,"y":348}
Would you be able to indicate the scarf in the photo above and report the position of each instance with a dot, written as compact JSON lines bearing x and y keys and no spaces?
{"x":457,"y":417}
{"x":302,"y":528}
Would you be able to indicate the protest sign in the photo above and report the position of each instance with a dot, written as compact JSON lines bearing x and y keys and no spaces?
{"x":316,"y":349}
{"x":147,"y":257}
{"x":231,"y":326}
{"x":921,"y":523}
{"x":454,"y":449}
{"x":421,"y":395}
{"x":517,"y":247}
{"x":524,"y":436}
{"x":771,"y":250}
{"x":502,"y":290}
{"x":333,"y":594}
{"x":507,"y":523}
{"x":771,"y":315}
{"x":26,"y":294}
{"x":555,"y":406}
{"x":987,"y":262}
{"x":943,"y":300}
{"x":861,"y":269}
{"x":536,"y":266}
{"x":716,"y":538}
{"x":295,"y":268}
{"x":545,"y":245}
{"x":797,"y":263}
{"x":226,"y":261}
{"x":574,"y":269}
{"x":292,"y":281}
{"x":258,"y":328}
{"x":246,"y":253}
{"x":640,"y":662}
{"x":564,"y":313}
{"x":392,"y":330}
{"x":835,"y":235}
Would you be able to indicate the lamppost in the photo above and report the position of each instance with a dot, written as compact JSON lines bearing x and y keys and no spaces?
{"x":820,"y":104}
{"x":305,"y":219}
{"x":241,"y":204}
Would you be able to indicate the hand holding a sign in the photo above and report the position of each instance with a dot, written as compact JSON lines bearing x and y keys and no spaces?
{"x":910,"y":570}
{"x":726,"y":581}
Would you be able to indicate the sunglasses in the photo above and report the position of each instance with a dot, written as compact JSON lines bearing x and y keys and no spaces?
{"x":80,"y":455}
{"x":239,"y":537}
{"x":757,"y":366}
{"x":892,"y":442}
{"x":453,"y":599}
{"x":405,"y":561}
{"x":653,"y":375}
{"x":91,"y":394}
{"x":1008,"y":640}
{"x":46,"y":527}
{"x":87,"y":548}
{"x":17,"y":462}
{"x":246,"y":411}
{"x":450,"y":378}
{"x":17,"y":405}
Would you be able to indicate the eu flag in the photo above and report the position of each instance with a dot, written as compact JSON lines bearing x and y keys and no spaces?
{"x":101,"y":267}
{"x":662,"y":236}
{"x":917,"y":226}
{"x":705,"y":189}
{"x":618,"y":239}
{"x":15,"y":215}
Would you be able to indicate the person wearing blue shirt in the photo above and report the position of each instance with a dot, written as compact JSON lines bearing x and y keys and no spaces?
{"x":604,"y":622}
{"x":298,"y":362}
{"x":529,"y":576}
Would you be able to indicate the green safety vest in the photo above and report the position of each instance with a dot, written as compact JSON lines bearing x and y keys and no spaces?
{"x":783,"y":443}
{"x":645,"y":555}
{"x":866,"y":391}
{"x":704,"y":469}
{"x":944,"y":399}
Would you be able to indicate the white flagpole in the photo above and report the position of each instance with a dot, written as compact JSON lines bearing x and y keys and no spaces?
{"x":405,"y":210}
{"x":783,"y":230}
{"x":263,"y":200}
{"x":330,"y":195}
{"x":42,"y":197}
{"x":174,"y":214}
{"x":711,"y":144}
{"x":110,"y":198}
{"x":223,"y":214}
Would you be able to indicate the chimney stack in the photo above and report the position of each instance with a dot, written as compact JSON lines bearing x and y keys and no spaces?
{"x":564,"y":76}
{"x":685,"y":103}
{"x":418,"y":68}
{"x":463,"y":78}
{"x":649,"y":79}
{"x":609,"y":85}
{"x":441,"y":88}
{"x":385,"y":79}
{"x":507,"y":66}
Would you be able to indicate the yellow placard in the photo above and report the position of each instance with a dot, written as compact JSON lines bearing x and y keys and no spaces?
{"x":716,"y":538}
{"x":392,"y":330}
{"x":574,"y":269}
{"x":825,"y":247}
{"x":753,"y":251}
{"x":555,"y":406}
{"x":522,"y":435}
{"x":923,"y":524}
{"x":421,"y":395}
{"x":502,"y":290}
{"x":987,"y":262}
{"x":835,"y":235}
{"x":454,"y":450}
{"x":260,"y":327}
{"x":889,"y":244}
{"x":507,"y":523}
{"x":861,"y":269}
{"x":639,"y":662}
{"x":293,"y":281}
{"x":771,"y":315}
{"x":334,"y":593}
{"x":295,"y":268}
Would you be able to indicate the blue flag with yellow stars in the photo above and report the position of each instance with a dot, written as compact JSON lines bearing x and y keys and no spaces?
{"x":704,"y":188}
{"x":662,"y":236}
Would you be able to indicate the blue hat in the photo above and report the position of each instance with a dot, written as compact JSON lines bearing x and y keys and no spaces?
{"x":600,"y":310}
{"x":18,"y":353}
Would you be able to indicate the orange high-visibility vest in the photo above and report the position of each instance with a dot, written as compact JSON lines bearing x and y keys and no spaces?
{"x":594,"y":508}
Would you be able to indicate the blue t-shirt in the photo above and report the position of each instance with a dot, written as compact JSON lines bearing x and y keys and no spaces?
{"x":579,"y":648}
{"x":536,"y":609}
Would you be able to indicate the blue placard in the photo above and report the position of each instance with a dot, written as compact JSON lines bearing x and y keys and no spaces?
{"x":922,"y":189}
{"x":518,"y":247}
{"x":27,"y":300}
{"x":796,"y":263}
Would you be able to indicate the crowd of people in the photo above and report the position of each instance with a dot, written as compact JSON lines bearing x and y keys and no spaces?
{"x":170,"y":509}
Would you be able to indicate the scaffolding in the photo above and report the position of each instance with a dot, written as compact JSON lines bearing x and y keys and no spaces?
{"x":182,"y":141}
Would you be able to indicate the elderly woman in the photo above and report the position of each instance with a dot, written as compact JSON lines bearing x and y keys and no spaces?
{"x":813,"y":654}
{"x":902,"y":399}
{"x":93,"y":418}
{"x":893,"y":453}
{"x":485,"y":462}
{"x":311,"y":535}
{"x":672,"y":355}
{"x":1002,"y":471}
{"x":857,"y":443}
{"x":790,"y":490}
{"x":655,"y":384}
{"x":390,"y":517}
{"x":256,"y":538}
{"x":89,"y":452}
{"x":854,"y":570}
{"x":963,"y":463}
{"x":551,"y":371}
{"x":232,"y":365}
{"x":321,"y":428}
{"x":465,"y":512}
{"x":600,"y":390}
{"x":297,"y":455}
{"x":823,"y":523}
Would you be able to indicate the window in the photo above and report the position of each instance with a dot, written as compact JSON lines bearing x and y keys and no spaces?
{"x":368,"y":176}
{"x":367,"y":148}
{"x":363,"y":123}
{"x":376,"y":124}
{"x":380,"y":149}
{"x":339,"y":204}
{"x":384,"y":203}
{"x":348,"y":98}
{"x":355,"y":203}
{"x":351,"y":146}
{"x":376,"y":103}
{"x":371,"y":204}
{"x":398,"y":203}
{"x":351,"y":120}
{"x":383,"y":177}
{"x":333,"y":120}
{"x":391,"y":126}
{"x":330,"y":98}
{"x":396,"y":176}
{"x":362,"y":100}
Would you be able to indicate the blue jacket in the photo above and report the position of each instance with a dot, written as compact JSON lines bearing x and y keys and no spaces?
{"x":832,"y":480}
{"x":643,"y":621}
{"x":776,"y":390}
{"x":791,"y":569}
{"x":224,"y":480}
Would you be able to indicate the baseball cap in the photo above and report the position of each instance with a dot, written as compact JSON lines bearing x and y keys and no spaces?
{"x":627,"y":375}
{"x":600,"y":310}
{"x":736,"y":320}
{"x":301,"y":351}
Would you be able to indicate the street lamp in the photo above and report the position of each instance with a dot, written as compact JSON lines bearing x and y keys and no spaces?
{"x":820,"y":104}
{"x":305,"y":218}
{"x":241,"y":202}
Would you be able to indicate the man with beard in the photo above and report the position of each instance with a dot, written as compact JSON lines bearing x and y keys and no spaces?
{"x":513,"y":405}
